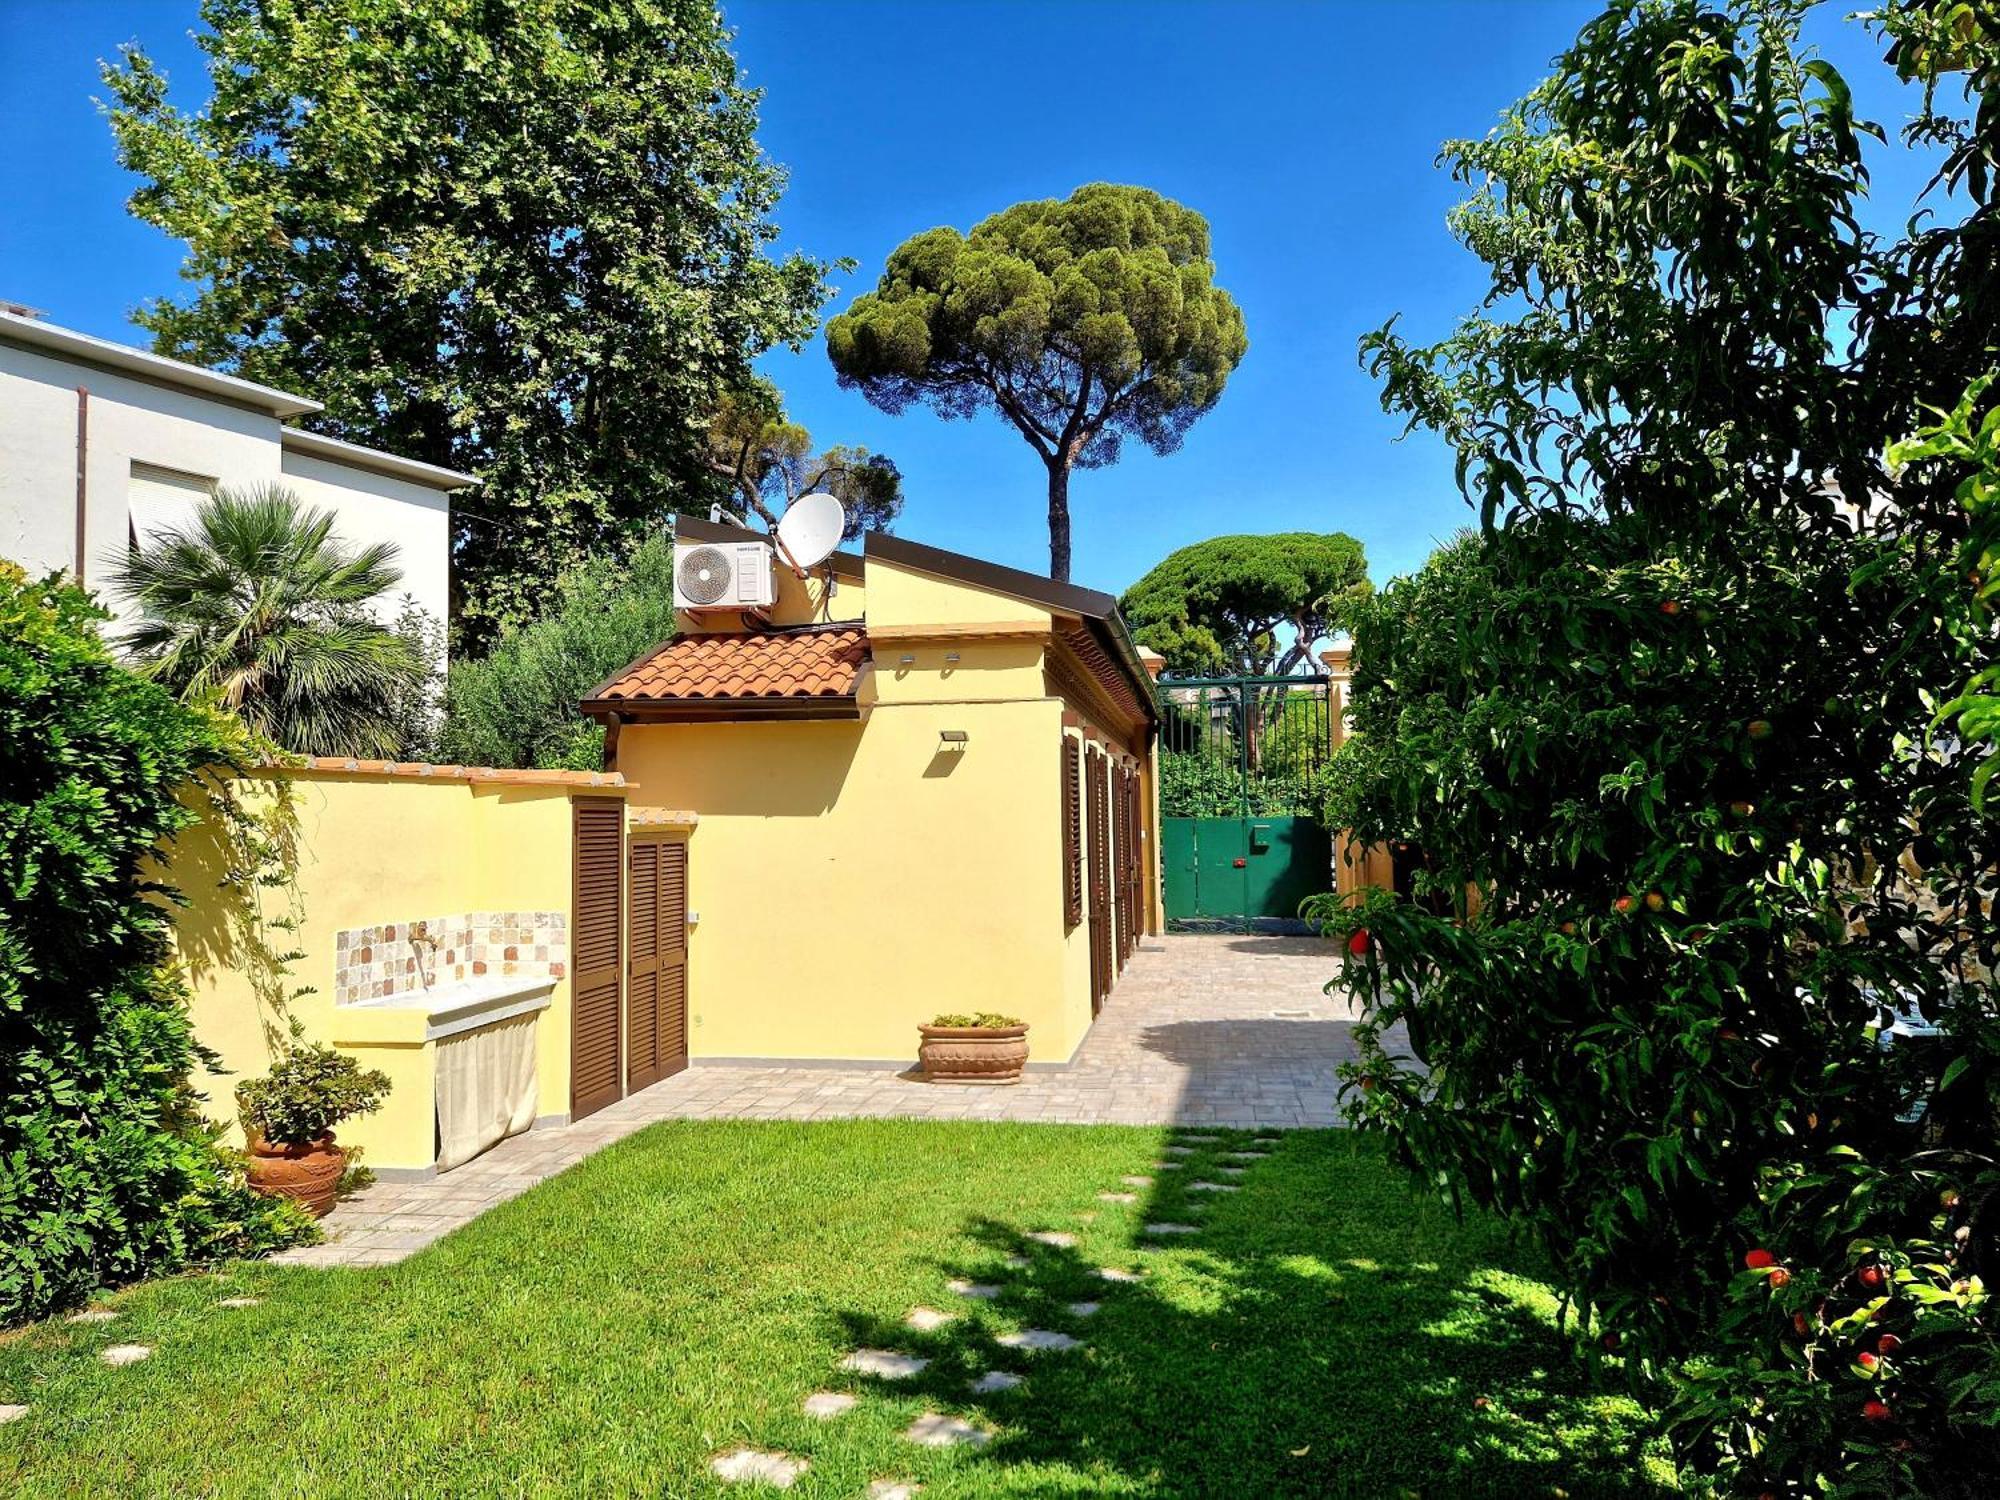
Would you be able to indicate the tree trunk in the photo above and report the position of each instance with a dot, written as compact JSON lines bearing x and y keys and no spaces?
{"x":1059,"y":520}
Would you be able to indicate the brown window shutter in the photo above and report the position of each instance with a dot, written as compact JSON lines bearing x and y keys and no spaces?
{"x":1072,"y":832}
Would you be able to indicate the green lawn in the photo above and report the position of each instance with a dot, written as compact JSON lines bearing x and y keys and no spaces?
{"x":683,"y":1292}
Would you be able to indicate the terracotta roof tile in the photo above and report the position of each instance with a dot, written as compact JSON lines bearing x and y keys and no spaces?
{"x":787,"y":664}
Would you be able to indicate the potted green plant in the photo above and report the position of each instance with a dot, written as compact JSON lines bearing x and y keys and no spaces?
{"x":982,"y":1048}
{"x":288,"y":1120}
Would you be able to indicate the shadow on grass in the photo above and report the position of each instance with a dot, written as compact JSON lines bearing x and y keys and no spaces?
{"x":1323,"y":1335}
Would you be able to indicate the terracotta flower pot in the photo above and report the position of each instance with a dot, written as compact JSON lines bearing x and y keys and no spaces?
{"x":973,"y":1054}
{"x":309,"y":1174}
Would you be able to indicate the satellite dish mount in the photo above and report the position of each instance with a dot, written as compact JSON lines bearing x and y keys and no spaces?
{"x":809,"y":530}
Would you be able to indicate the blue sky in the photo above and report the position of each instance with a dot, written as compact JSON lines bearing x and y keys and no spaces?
{"x":1306,"y":133}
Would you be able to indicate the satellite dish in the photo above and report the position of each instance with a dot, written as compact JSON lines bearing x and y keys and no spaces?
{"x":810,"y":529}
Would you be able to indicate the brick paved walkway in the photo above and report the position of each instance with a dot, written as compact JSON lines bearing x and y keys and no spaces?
{"x":1210,"y":1029}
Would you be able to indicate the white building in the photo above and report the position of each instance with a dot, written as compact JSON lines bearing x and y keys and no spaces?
{"x":101,"y":443}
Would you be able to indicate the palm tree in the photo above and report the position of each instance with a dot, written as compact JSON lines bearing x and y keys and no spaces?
{"x":258,"y":603}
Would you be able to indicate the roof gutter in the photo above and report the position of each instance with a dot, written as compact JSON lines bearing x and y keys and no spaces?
{"x":154,"y":369}
{"x":373,"y":460}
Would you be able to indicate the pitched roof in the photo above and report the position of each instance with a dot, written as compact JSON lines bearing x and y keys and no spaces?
{"x":816,"y":664}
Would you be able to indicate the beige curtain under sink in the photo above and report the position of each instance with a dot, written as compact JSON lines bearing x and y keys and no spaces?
{"x":485,"y":1088}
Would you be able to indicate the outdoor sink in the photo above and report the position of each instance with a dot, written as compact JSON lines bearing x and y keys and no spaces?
{"x":466,"y":1004}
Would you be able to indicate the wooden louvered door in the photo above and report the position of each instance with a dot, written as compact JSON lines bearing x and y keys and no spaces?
{"x":1133,"y":865}
{"x":1121,"y":863}
{"x":656,"y":986}
{"x":1121,"y":815}
{"x":1098,"y":825}
{"x":596,"y":943}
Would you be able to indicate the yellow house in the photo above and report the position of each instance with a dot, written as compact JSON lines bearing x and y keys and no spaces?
{"x":916,"y":784}
{"x":919,"y":783}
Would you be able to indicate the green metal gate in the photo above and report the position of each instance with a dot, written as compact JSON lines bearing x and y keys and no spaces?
{"x":1241,"y":780}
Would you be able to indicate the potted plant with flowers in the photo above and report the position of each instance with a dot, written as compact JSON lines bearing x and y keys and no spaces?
{"x":288,"y":1119}
{"x":982,"y":1048}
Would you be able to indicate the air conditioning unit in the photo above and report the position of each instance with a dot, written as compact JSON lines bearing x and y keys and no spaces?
{"x":722,"y":575}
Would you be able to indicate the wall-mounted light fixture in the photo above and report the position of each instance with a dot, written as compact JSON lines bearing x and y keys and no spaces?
{"x":951,"y":656}
{"x":906,"y":660}
{"x":953,"y":739}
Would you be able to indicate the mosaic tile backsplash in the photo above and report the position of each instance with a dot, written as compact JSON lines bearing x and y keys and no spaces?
{"x":373,"y":963}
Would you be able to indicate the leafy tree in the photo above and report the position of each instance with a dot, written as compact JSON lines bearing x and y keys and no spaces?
{"x":1217,"y":606}
{"x":258,"y":604}
{"x":518,"y":705}
{"x":416,"y":707}
{"x":1082,"y":321}
{"x":1660,"y":735}
{"x":768,"y":462}
{"x":526,"y":238}
{"x":106,"y":1173}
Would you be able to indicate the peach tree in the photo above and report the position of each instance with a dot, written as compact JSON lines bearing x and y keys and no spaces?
{"x":1695,"y":979}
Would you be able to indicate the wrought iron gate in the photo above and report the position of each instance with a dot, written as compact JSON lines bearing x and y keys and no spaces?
{"x":1242,"y":763}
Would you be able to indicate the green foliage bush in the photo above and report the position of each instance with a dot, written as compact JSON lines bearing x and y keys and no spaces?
{"x":1656,"y":1039}
{"x":309,"y":1090}
{"x":992,"y":1020}
{"x":106,"y":1172}
{"x":1668,"y":733}
{"x":517,"y":706}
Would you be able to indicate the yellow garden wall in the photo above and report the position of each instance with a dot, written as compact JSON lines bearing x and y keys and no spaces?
{"x":373,"y":849}
{"x":854,"y":879}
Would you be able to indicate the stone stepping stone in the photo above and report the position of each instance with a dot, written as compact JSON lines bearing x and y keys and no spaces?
{"x":1265,"y":1142}
{"x":893,"y":1489}
{"x":1114,"y":1273}
{"x":885,"y":1364}
{"x":827,"y":1405}
{"x":1084,"y":1309}
{"x":993,"y":1380}
{"x":1198,"y":1140}
{"x":1214,"y":1187}
{"x":928,"y":1319}
{"x":1017,"y":1262}
{"x":1247,"y":1155}
{"x":1038,"y":1338}
{"x":1168,"y":1166}
{"x":241,"y":1302}
{"x":1232,"y":1171}
{"x":1118,"y":1197}
{"x":125,"y":1354}
{"x":936,"y":1430}
{"x":1061,"y":1239}
{"x":92,"y":1315}
{"x":1089,"y":1216}
{"x":753,"y":1466}
{"x":1135,"y":1180}
{"x":984,"y":1291}
{"x":1173,"y":1229}
{"x":10,"y":1412}
{"x":1178,"y":1150}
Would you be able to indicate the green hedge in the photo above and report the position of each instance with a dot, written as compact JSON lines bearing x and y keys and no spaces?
{"x":106,"y":1172}
{"x":517,"y":706}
